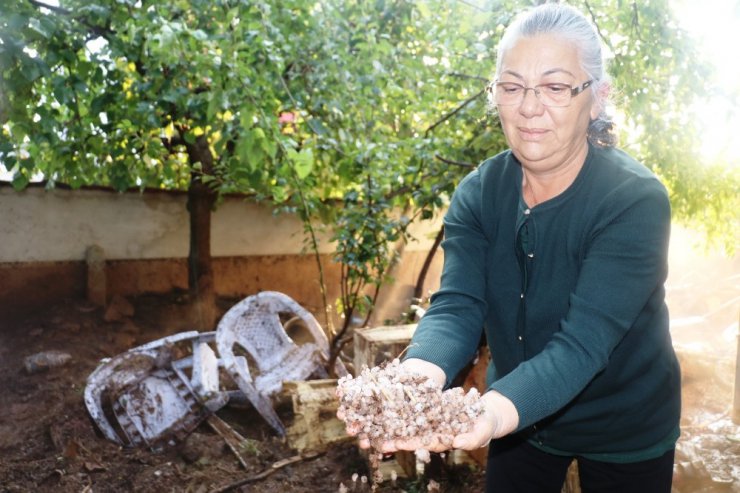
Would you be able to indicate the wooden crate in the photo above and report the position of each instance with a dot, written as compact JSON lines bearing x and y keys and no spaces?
{"x":315,"y":424}
{"x":375,"y":345}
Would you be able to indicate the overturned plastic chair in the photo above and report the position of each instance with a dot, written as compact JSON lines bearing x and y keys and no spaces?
{"x":259,"y":355}
{"x":146,"y":397}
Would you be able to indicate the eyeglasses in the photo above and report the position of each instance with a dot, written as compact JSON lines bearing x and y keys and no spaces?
{"x":554,"y":94}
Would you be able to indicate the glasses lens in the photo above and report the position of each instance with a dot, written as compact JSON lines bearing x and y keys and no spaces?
{"x":508,"y":93}
{"x":554,"y":94}
{"x":511,"y":93}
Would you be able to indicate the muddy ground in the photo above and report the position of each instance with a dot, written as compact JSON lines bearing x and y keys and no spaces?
{"x":48,"y":442}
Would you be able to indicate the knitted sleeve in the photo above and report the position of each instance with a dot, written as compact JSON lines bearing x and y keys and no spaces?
{"x":449,"y":332}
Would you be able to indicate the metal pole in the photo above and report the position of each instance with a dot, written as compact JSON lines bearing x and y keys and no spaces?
{"x":736,"y":404}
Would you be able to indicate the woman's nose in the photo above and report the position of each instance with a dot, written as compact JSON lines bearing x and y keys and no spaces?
{"x":531,"y":104}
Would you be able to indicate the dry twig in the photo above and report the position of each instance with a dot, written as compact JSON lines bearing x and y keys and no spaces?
{"x":273,"y":468}
{"x":232,"y":438}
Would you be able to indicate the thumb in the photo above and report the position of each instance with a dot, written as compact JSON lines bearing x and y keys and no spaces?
{"x":466,"y":441}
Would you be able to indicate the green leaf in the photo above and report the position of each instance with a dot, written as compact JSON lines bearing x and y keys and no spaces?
{"x":17,"y":21}
{"x":214,"y":105}
{"x":302,"y":162}
{"x":20,"y":181}
{"x":243,"y":147}
{"x":30,"y":70}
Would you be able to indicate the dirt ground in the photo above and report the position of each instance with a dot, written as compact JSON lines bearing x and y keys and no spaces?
{"x":49,"y":443}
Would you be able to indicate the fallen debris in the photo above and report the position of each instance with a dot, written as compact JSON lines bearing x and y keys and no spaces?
{"x":232,"y":438}
{"x":118,"y":309}
{"x":158,"y":393}
{"x":45,"y":360}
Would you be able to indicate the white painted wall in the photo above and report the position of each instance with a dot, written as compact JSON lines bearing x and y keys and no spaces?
{"x":38,"y":225}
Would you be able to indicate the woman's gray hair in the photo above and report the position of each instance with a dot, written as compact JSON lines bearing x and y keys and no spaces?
{"x":568,"y":23}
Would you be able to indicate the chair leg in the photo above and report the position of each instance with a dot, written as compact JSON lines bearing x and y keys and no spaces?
{"x":262,"y":404}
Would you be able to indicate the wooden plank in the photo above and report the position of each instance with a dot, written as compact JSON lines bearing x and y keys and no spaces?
{"x":572,"y":483}
{"x":736,"y":402}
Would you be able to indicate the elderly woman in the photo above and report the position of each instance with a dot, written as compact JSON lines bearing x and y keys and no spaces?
{"x":557,"y":250}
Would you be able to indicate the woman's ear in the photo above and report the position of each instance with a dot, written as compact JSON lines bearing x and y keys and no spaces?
{"x":600,"y":98}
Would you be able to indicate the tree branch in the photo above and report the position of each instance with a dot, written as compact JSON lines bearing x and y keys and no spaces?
{"x":596,"y":24}
{"x":274,"y":467}
{"x":454,"y":112}
{"x":472,"y":5}
{"x":52,"y":8}
{"x":103,"y":31}
{"x":456,"y":163}
{"x":636,"y":20}
{"x":467,"y":76}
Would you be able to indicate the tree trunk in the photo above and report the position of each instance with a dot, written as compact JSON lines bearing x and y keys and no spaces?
{"x":419,"y":288}
{"x":201,"y":200}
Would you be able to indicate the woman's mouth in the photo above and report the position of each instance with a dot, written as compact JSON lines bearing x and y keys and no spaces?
{"x":532,"y":133}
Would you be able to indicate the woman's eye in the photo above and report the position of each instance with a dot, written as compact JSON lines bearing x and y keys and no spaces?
{"x":511,"y":88}
{"x":556,"y":88}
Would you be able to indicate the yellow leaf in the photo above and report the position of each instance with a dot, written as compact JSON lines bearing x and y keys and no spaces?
{"x":169,"y":131}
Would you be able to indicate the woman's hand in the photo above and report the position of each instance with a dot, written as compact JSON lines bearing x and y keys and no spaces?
{"x":499,"y":418}
{"x":412,"y":365}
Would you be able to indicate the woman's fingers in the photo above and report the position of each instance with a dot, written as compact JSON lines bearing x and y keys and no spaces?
{"x":432,"y":444}
{"x":470,"y":441}
{"x":483,"y":430}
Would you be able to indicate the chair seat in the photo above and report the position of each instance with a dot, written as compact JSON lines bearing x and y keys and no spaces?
{"x":299,"y":363}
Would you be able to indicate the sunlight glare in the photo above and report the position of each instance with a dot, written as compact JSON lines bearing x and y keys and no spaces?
{"x":715,"y":25}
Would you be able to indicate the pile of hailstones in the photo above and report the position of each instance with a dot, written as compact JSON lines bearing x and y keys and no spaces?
{"x":388,"y":402}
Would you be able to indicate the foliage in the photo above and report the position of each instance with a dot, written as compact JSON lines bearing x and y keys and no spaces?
{"x":349,"y":113}
{"x":300,"y":103}
{"x":372,"y":99}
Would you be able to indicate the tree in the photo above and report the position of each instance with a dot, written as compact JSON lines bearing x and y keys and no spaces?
{"x":658,"y":75}
{"x":358,"y":116}
{"x":211,"y":97}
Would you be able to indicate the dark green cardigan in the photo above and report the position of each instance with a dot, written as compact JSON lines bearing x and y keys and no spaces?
{"x":570,"y":296}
